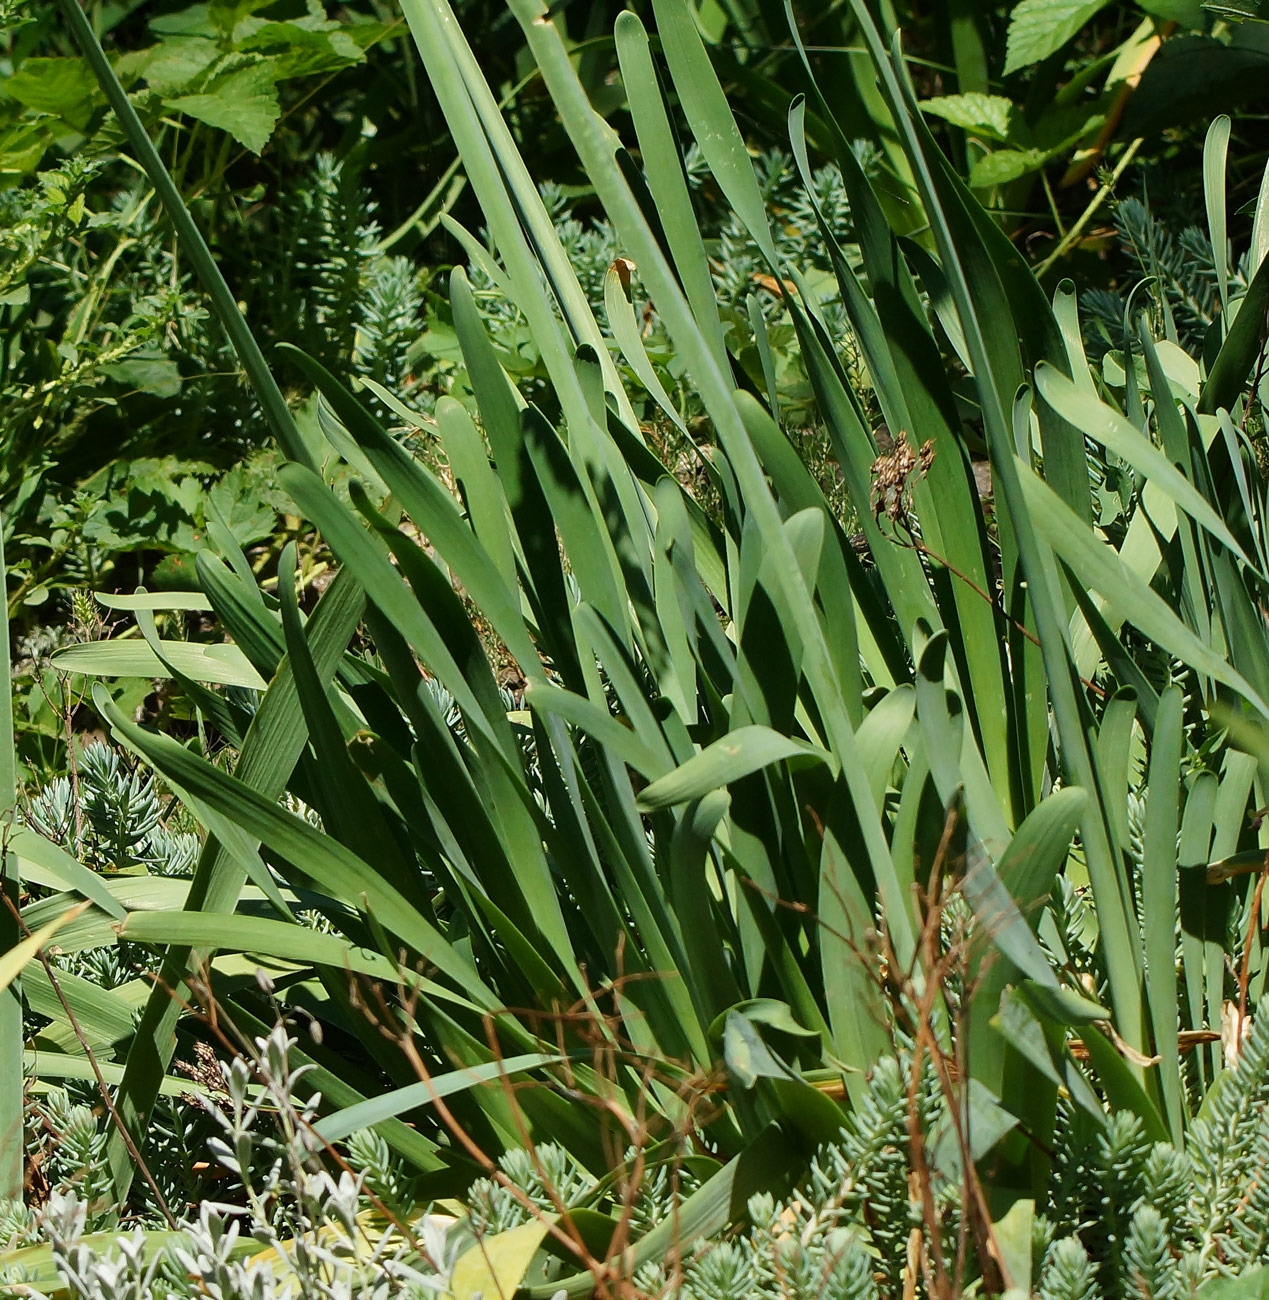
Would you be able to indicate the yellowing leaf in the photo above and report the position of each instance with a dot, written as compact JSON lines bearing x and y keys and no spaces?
{"x":496,"y":1266}
{"x":12,"y":962}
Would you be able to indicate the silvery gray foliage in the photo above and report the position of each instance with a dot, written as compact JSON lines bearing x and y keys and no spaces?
{"x":547,"y":1177}
{"x":75,"y":1163}
{"x":1124,"y":1217}
{"x":116,"y":822}
{"x":298,"y":1234}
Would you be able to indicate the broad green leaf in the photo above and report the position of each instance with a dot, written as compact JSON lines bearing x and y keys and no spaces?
{"x":710,"y":117}
{"x":193,"y":246}
{"x":64,"y":88}
{"x":479,"y":486}
{"x":1159,"y":898}
{"x":270,"y":750}
{"x":1189,"y":13}
{"x":47,"y":864}
{"x":153,"y":600}
{"x":240,"y":817}
{"x":983,"y":1121}
{"x":1005,"y":165}
{"x":1039,"y":848}
{"x":171,"y":66}
{"x":1230,"y":371}
{"x":745,"y":750}
{"x":261,"y":935}
{"x":47,"y":1065}
{"x":1122,"y":1085}
{"x":299,"y":51}
{"x":495,"y":1266}
{"x":625,"y":329}
{"x":102,"y":1016}
{"x":1014,"y":1234}
{"x":881,"y":734}
{"x":244,"y":103}
{"x":705,"y":957}
{"x":592,"y":138}
{"x":1040,"y":1042}
{"x":747,"y":1055}
{"x":1038,"y":28}
{"x":855,"y":1004}
{"x":763,"y":1011}
{"x":12,"y":1021}
{"x":521,"y":227}
{"x":1062,"y":1005}
{"x":222,"y":665}
{"x":1215,"y":151}
{"x":663,"y":170}
{"x":991,"y":116}
{"x":433,"y":510}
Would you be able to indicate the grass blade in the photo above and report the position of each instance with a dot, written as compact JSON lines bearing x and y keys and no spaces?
{"x":1159,"y":899}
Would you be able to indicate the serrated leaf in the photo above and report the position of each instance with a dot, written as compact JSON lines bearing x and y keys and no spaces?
{"x":243,"y":103}
{"x":1038,"y":28}
{"x":300,"y":51}
{"x":1005,"y":165}
{"x":64,"y":88}
{"x":170,"y":66}
{"x":990,"y":116}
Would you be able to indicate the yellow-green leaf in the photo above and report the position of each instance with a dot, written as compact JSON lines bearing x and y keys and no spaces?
{"x":16,"y":958}
{"x":495,"y":1267}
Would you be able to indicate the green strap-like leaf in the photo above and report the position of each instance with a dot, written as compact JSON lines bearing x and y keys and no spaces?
{"x":1099,"y":567}
{"x":222,"y":665}
{"x":270,"y":751}
{"x":746,"y":750}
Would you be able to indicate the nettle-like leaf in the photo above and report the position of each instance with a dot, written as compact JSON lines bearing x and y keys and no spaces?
{"x":64,"y":88}
{"x":1005,"y":165}
{"x":170,"y":66}
{"x":301,"y":51}
{"x":1038,"y":28}
{"x":990,"y":116}
{"x":243,"y":102}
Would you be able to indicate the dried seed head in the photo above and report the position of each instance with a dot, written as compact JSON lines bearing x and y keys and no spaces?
{"x":894,"y":473}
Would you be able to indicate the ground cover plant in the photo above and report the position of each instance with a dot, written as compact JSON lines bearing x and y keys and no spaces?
{"x":789,"y":877}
